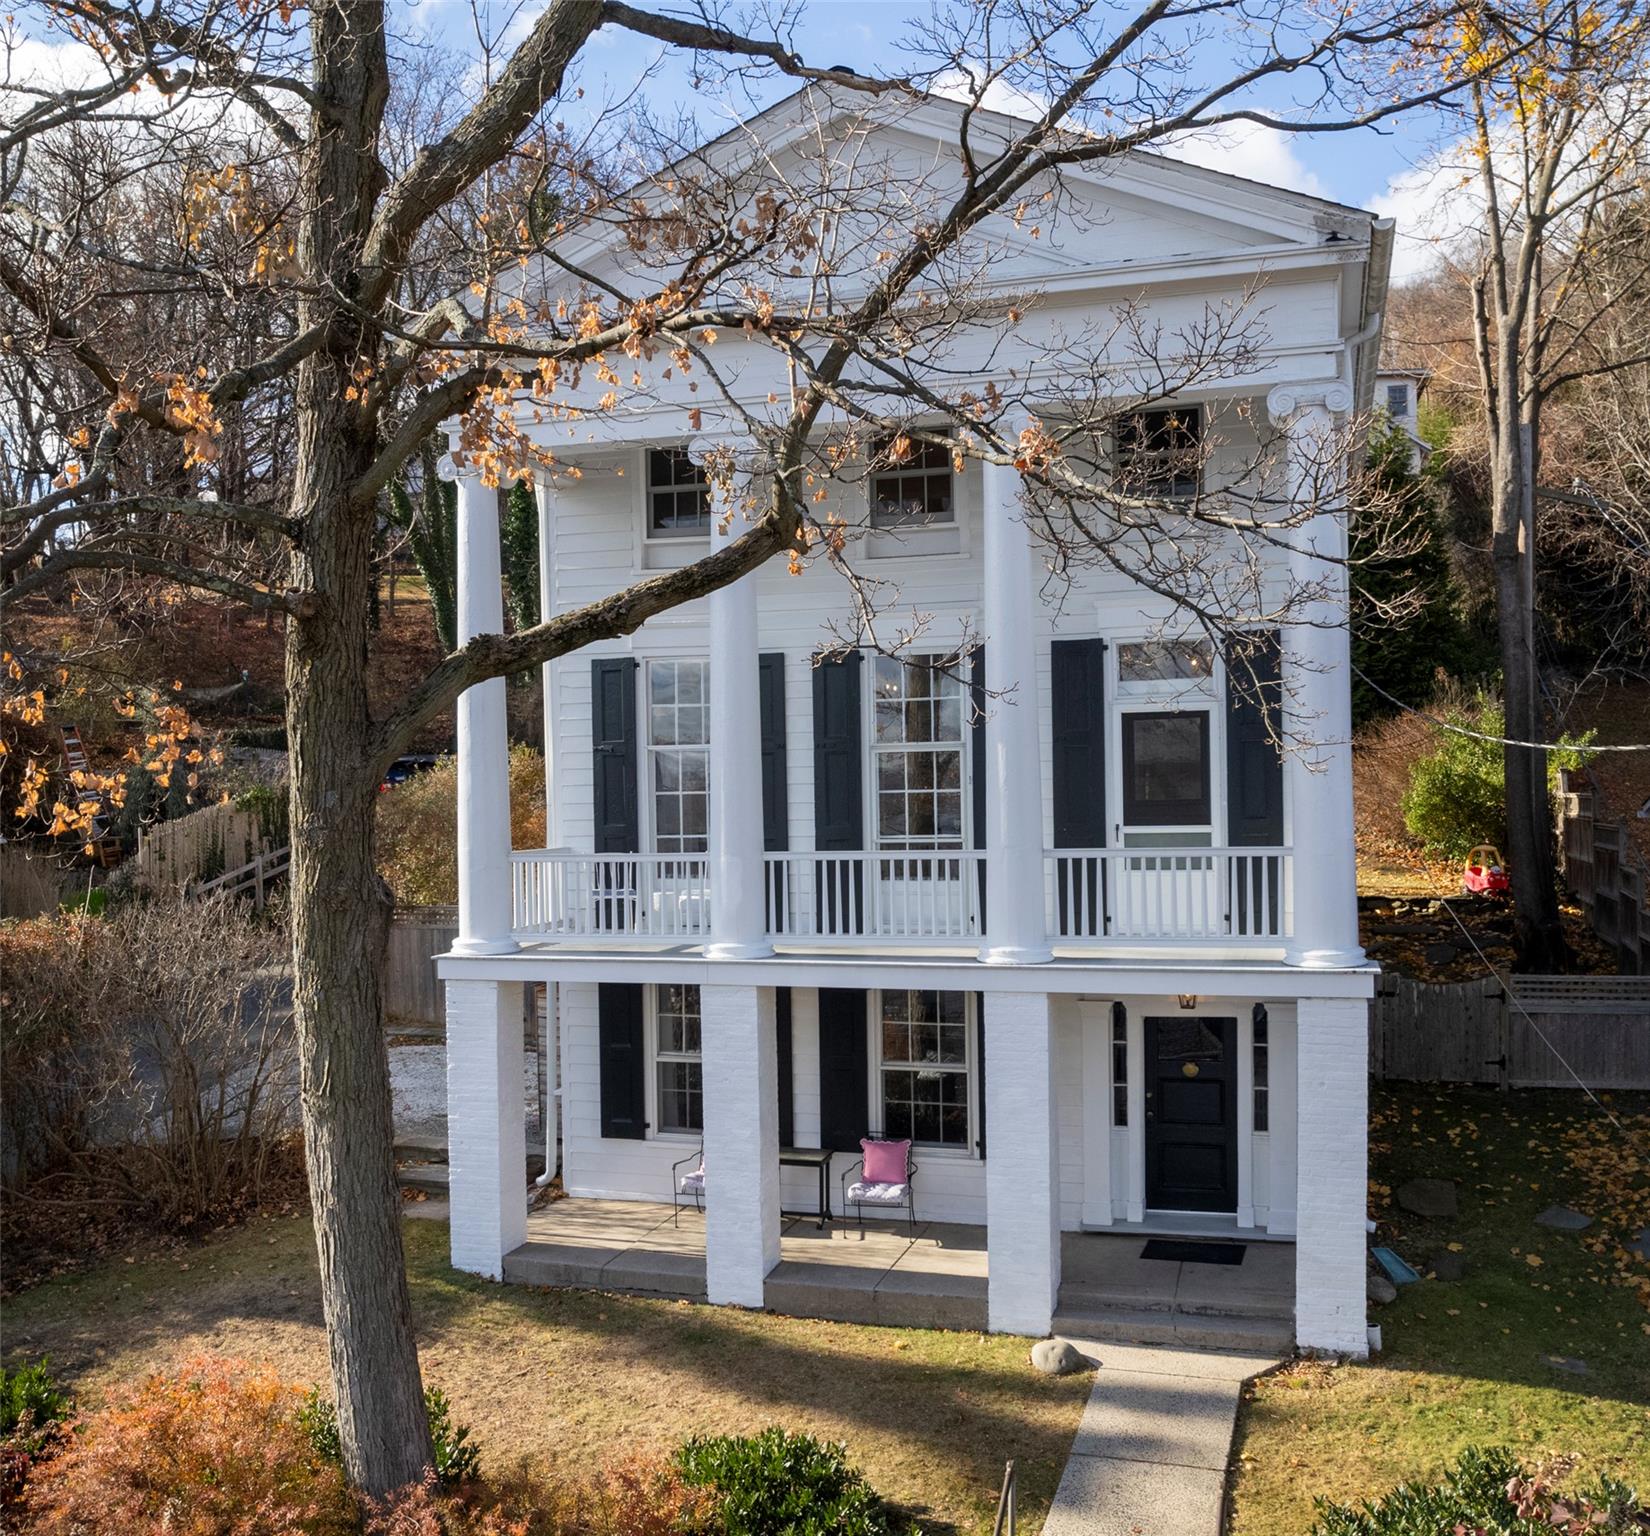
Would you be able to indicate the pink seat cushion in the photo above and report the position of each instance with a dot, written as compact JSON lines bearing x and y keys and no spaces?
{"x":885,"y":1161}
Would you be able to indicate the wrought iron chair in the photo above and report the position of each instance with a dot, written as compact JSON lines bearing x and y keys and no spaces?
{"x":690,"y":1184}
{"x":858,"y":1192}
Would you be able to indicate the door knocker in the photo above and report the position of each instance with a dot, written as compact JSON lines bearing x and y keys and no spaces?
{"x":1188,"y":1069}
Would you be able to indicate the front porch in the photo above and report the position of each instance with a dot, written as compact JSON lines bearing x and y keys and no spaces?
{"x":932,"y":1275}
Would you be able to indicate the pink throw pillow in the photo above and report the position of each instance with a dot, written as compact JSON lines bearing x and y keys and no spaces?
{"x":885,"y":1161}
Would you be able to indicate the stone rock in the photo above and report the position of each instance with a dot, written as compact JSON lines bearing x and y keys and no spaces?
{"x":1382,"y":1291}
{"x":1447,"y":1266}
{"x":1569,"y":1364}
{"x":1441,"y":954}
{"x":1427,"y":1197}
{"x":1562,"y":1219}
{"x":1055,"y":1357}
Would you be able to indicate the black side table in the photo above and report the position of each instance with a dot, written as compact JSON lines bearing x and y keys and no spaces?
{"x":811,"y":1157}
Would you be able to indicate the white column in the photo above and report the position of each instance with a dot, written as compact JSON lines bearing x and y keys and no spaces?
{"x":1332,"y":1070}
{"x":486,"y":1124}
{"x":484,"y":902}
{"x":738,"y":923}
{"x":1016,"y":923}
{"x":1317,"y":677}
{"x":1022,"y":1166}
{"x":546,"y":498}
{"x":741,"y":1105}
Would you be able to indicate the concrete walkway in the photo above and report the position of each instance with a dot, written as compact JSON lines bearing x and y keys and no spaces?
{"x":1150,"y":1454}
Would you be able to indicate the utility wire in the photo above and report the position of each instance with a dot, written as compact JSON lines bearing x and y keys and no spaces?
{"x":1504,"y":741}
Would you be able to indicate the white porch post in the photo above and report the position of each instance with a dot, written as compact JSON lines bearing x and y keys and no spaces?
{"x":1016,"y":919}
{"x":485,"y":920}
{"x":1332,"y":1056}
{"x":486,"y":1124}
{"x":738,"y":923}
{"x":1317,"y":677}
{"x":741,"y":1107}
{"x":1022,"y":1167}
{"x":546,"y":499}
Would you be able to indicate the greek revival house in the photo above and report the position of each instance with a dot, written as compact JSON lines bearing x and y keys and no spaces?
{"x":1072,"y":925}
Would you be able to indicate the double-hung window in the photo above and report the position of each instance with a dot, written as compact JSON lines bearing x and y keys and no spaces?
{"x":678,"y":496}
{"x":924,"y":1065}
{"x":679,"y":1084}
{"x":911,"y":484}
{"x":918,"y":756}
{"x":1160,"y":452}
{"x":678,"y":752}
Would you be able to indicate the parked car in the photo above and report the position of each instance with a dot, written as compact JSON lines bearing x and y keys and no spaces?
{"x":407,"y":767}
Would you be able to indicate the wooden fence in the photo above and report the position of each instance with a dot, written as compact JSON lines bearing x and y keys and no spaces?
{"x":1604,"y":868}
{"x":197,"y":846}
{"x":1472,"y":1032}
{"x":411,"y":989}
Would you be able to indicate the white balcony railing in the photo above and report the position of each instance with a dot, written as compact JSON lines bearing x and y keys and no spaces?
{"x":647,"y":897}
{"x":1097,"y":897}
{"x":929,"y":897}
{"x":1169,"y":895}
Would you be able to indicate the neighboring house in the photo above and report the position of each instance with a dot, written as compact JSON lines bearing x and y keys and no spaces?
{"x":799,"y":903}
{"x":1398,"y":395}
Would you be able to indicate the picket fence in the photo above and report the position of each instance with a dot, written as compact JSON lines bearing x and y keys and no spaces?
{"x":202,"y":844}
{"x":1603,"y":866}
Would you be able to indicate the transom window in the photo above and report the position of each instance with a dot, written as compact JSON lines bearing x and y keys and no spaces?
{"x":1160,"y":452}
{"x":1166,"y":768}
{"x":679,"y":1060}
{"x":678,"y":750}
{"x":917,"y":754}
{"x":911,"y":483}
{"x":1164,"y":661}
{"x":678,"y":496}
{"x":924,"y":1062}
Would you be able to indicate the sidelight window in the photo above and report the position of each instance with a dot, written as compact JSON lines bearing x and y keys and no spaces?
{"x":1119,"y":1065}
{"x":1262,"y":1069}
{"x":924,"y":1061}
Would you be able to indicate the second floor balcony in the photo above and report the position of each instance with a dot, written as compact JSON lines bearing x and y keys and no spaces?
{"x":1128,"y":899}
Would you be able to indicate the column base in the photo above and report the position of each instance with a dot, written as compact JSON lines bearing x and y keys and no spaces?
{"x":1013,"y":954}
{"x":463,"y":946}
{"x":718,"y":950}
{"x":1326,"y":959}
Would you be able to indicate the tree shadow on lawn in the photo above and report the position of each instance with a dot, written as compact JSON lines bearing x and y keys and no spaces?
{"x":571,"y":1375}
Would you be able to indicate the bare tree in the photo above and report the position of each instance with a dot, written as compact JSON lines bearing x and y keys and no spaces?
{"x":391,"y":313}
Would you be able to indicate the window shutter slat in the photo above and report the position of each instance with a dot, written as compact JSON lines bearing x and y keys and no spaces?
{"x":839,"y":769}
{"x":844,"y":1069}
{"x":623,"y":1059}
{"x":614,"y":748}
{"x":775,"y":811}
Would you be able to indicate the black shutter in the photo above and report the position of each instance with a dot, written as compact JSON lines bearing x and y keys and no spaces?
{"x":623,"y":1056}
{"x":1254,"y":777}
{"x":979,"y":1065}
{"x":613,"y":740}
{"x":844,"y":1117}
{"x":839,"y":768}
{"x":1077,"y":678}
{"x":1254,"y":770}
{"x":839,"y":805}
{"x":787,"y":1085}
{"x":775,"y":804}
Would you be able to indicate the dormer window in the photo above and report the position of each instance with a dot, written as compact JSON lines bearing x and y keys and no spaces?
{"x":911,"y":484}
{"x":678,"y":496}
{"x":1160,"y":452}
{"x":1397,"y":400}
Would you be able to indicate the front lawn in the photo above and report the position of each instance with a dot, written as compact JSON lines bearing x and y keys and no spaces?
{"x":568,"y":1376}
{"x":1542,"y":1345}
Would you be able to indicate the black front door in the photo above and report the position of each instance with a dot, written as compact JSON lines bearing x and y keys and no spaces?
{"x":1191,"y":1114}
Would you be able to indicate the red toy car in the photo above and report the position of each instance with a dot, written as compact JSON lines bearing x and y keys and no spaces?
{"x":1485,"y":874}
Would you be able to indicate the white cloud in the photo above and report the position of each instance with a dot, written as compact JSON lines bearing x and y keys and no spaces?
{"x":1434,"y":203}
{"x":1251,"y":150}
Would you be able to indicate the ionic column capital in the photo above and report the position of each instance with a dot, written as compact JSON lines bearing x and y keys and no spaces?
{"x":1285,"y":401}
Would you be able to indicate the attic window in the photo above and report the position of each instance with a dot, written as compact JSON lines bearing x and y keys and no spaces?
{"x":911,"y":484}
{"x":678,"y":496}
{"x":1160,"y":452}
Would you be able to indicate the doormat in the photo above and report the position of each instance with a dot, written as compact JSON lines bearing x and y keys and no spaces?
{"x":1193,"y":1253}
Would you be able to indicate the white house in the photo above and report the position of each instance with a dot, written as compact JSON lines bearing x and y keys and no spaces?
{"x":1398,"y":394}
{"x":793,"y":903}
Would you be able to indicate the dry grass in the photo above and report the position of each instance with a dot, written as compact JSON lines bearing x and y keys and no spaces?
{"x":564,"y":1376}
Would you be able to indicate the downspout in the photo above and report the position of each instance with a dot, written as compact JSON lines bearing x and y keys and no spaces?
{"x":1364,"y":345}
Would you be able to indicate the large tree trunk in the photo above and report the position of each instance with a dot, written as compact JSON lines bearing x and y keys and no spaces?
{"x":340,"y":905}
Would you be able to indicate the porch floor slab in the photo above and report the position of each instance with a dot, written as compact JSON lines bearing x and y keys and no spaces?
{"x":930,"y":1275}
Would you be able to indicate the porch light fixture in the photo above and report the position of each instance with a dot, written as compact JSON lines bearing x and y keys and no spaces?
{"x":1188,"y":1001}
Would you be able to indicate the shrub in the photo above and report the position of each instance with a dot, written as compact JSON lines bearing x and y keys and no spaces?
{"x":1457,"y":793}
{"x":775,"y":1484}
{"x":212,"y":1450}
{"x":33,"y":1411}
{"x":418,"y":827}
{"x":457,"y":1457}
{"x":1487,"y":1493}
